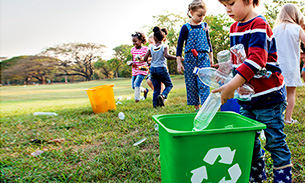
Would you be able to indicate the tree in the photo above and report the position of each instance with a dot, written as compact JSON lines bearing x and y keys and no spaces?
{"x":26,"y":67}
{"x":173,"y":22}
{"x":219,"y":26}
{"x":121,"y":56}
{"x":40,"y":67}
{"x":273,"y":9}
{"x":7,"y":71}
{"x":104,"y":68}
{"x":76,"y":58}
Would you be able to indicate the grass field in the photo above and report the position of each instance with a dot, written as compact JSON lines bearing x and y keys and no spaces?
{"x":98,"y":147}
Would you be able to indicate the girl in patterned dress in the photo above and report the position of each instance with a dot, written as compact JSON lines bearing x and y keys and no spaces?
{"x":196,"y":37}
{"x":139,"y":66}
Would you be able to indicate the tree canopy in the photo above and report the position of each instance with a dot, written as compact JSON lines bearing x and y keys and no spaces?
{"x":76,"y":58}
{"x":23,"y":68}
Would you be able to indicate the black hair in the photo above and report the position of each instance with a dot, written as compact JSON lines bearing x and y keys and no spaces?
{"x":159,"y":33}
{"x":140,"y":36}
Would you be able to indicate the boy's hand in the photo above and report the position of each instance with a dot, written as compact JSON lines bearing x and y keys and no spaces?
{"x":227,"y":90}
{"x":225,"y":93}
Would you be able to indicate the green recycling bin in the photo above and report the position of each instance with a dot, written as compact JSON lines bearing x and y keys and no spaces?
{"x":221,"y":153}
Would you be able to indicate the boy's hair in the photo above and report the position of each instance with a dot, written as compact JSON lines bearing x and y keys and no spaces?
{"x":140,"y":36}
{"x":194,"y":5}
{"x":290,"y":13}
{"x":255,"y":2}
{"x":159,"y":33}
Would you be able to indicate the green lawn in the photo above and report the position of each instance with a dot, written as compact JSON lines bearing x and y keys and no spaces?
{"x":97,"y":147}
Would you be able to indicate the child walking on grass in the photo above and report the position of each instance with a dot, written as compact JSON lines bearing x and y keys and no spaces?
{"x":139,"y":66}
{"x":158,"y":67}
{"x":268,"y":103}
{"x":151,"y":41}
{"x":288,"y":33}
{"x":195,"y":34}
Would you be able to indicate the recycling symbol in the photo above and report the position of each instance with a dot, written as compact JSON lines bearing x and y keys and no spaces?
{"x":227,"y":157}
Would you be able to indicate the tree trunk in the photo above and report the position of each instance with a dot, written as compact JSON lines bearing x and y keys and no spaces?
{"x":43,"y":81}
{"x":117,"y":72}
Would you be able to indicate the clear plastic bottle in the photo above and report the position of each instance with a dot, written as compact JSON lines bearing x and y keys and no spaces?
{"x":239,"y":51}
{"x":207,"y":112}
{"x":224,"y":60}
{"x":121,"y":116}
{"x":212,"y":77}
{"x":223,"y":56}
{"x":45,"y":113}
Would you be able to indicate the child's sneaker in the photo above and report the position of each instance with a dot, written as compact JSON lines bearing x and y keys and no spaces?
{"x":145,"y":93}
{"x":161,"y":99}
{"x":293,"y":121}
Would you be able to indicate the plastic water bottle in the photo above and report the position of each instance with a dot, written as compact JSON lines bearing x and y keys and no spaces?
{"x":239,"y":51}
{"x":44,"y":113}
{"x":224,"y":60}
{"x":212,"y":77}
{"x":121,"y":115}
{"x":223,"y":56}
{"x":207,"y":111}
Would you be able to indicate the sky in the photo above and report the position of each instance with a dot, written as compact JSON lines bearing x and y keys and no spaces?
{"x":28,"y":27}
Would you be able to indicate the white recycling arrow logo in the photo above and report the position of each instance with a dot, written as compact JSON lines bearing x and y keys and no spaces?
{"x":199,"y":174}
{"x":227,"y":157}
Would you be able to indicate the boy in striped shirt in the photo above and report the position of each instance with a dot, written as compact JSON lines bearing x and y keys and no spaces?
{"x":268,"y":103}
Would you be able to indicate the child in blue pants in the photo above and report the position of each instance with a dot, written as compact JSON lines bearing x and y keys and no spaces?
{"x":268,"y":103}
{"x":158,"y":67}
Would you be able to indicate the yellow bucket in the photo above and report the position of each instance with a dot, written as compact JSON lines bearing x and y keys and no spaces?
{"x":101,"y":98}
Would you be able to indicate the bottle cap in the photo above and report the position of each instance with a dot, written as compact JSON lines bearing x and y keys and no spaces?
{"x":196,"y":69}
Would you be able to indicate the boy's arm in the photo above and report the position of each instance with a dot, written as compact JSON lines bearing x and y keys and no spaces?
{"x":227,"y":90}
{"x":261,"y":48}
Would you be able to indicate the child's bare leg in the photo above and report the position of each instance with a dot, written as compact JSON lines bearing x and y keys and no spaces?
{"x":162,"y":87}
{"x":149,"y":83}
{"x":291,"y":102}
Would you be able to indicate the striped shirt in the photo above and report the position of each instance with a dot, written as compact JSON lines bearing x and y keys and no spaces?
{"x":136,"y":64}
{"x":259,"y":43}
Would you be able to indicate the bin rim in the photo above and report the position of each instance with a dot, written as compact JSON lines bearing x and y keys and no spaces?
{"x":97,"y":87}
{"x":257,"y":125}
